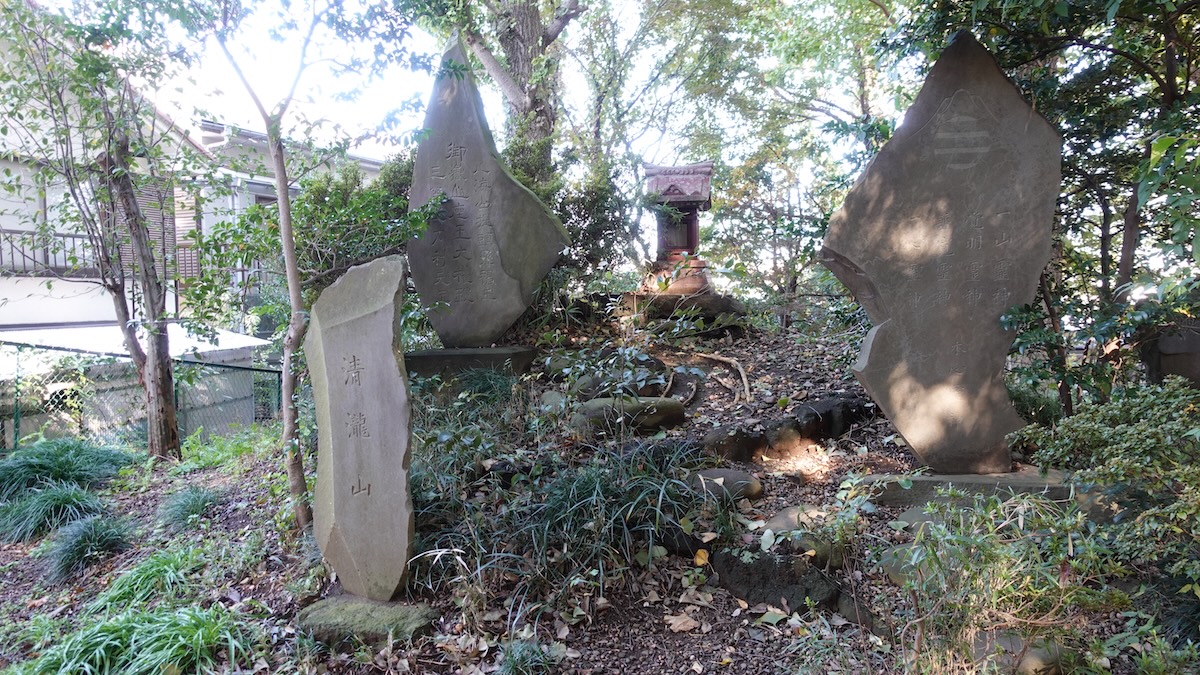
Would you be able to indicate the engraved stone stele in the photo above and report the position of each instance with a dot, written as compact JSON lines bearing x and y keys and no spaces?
{"x":362,"y":513}
{"x":477,"y":265}
{"x":948,"y":228}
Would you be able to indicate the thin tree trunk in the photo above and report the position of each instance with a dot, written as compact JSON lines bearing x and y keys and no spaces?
{"x":1129,"y":242}
{"x":154,"y":366}
{"x":297,"y":327}
{"x":1060,"y":351}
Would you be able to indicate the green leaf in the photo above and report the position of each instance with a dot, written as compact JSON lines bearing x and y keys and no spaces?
{"x":1159,"y":147}
{"x":772,"y":618}
{"x":1061,"y":8}
{"x":1113,"y":7}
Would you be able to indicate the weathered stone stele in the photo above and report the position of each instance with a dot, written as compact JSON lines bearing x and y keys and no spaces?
{"x":362,"y":514}
{"x":948,"y":228}
{"x":477,"y":265}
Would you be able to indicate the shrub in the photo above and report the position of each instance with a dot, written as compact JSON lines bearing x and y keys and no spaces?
{"x":45,"y":508}
{"x":185,"y":640}
{"x":182,"y":509}
{"x":1142,"y":448}
{"x":1022,"y":563}
{"x":83,"y":543}
{"x":65,"y":460}
{"x":165,"y":575}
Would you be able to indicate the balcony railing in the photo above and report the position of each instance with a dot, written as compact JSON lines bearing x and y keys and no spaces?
{"x":28,"y":253}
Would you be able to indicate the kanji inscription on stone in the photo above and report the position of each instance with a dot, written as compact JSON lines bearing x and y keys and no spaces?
{"x":362,"y":511}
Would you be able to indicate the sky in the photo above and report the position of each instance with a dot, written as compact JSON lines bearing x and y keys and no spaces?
{"x":213,"y":91}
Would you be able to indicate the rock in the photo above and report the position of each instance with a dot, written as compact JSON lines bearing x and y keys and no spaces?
{"x":641,"y":414}
{"x":553,"y":401}
{"x":343,"y":618}
{"x":362,"y":509}
{"x":801,"y":517}
{"x":948,"y":228}
{"x":896,"y":564}
{"x":734,"y":443}
{"x":478,"y":263}
{"x":856,"y":612}
{"x":821,"y":552}
{"x":918,"y":519}
{"x":727,"y":483}
{"x":1008,"y":652}
{"x":717,"y":310}
{"x":810,"y":425}
{"x":787,"y":582}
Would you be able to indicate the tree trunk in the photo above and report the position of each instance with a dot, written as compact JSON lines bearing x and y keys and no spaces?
{"x":297,"y":326}
{"x":1129,"y":243}
{"x":528,"y":78}
{"x":153,"y":364}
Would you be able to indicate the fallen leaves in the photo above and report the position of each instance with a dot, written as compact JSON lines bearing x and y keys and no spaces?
{"x":681,"y":623}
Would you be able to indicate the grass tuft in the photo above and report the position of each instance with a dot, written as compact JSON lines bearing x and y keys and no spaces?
{"x":62,"y":460}
{"x":201,"y":453}
{"x":82,"y":543}
{"x":165,"y":575}
{"x":526,"y":657}
{"x":185,"y":640}
{"x":44,"y":509}
{"x":184,"y":508}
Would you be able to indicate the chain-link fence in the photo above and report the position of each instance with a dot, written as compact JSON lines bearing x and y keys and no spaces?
{"x":59,"y":392}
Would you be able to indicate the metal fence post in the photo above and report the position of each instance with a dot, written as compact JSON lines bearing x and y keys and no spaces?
{"x":17,"y":403}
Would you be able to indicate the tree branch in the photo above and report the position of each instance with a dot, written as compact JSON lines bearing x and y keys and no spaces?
{"x":569,"y":13}
{"x":513,"y":93}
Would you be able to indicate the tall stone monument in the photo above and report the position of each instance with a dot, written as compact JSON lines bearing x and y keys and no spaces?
{"x":948,"y":228}
{"x":477,"y":265}
{"x":362,"y":515}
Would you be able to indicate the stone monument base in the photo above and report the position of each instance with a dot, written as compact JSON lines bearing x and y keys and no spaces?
{"x":708,"y":305}
{"x":450,"y":362}
{"x":340,"y":618}
{"x":677,"y":277}
{"x":1027,"y":479}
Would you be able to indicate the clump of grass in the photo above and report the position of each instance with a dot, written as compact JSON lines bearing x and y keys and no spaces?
{"x":526,"y":657}
{"x":487,"y":385}
{"x":84,"y":542}
{"x":184,"y":640}
{"x":201,"y":453}
{"x":165,"y":575}
{"x":184,"y":508}
{"x":45,"y":508}
{"x":63,"y":460}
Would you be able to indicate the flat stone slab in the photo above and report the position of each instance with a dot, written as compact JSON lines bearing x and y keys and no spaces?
{"x":429,"y":362}
{"x":947,"y":229}
{"x":362,"y":508}
{"x":1025,"y":480}
{"x":343,"y":618}
{"x":478,"y":263}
